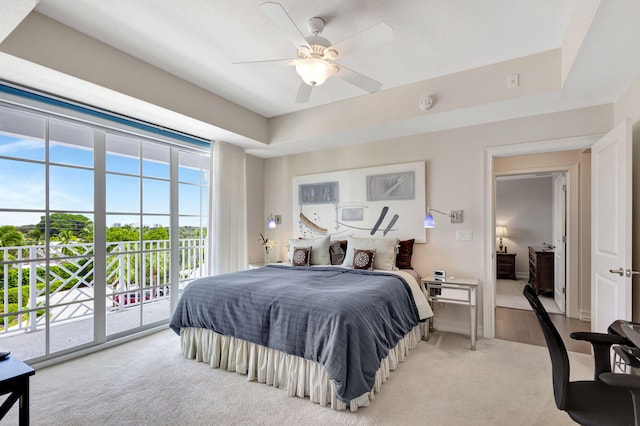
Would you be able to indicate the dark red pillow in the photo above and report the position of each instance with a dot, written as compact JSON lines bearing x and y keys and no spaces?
{"x":405,"y":252}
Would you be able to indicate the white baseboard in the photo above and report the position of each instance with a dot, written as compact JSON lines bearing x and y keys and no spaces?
{"x":585,"y":315}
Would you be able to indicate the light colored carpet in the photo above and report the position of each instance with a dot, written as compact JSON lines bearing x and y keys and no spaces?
{"x":442,"y":382}
{"x":509,"y":295}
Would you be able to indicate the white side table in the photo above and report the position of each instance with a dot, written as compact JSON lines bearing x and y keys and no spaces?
{"x":457,"y":291}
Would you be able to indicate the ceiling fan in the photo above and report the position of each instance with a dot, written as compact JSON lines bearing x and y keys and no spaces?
{"x":316,"y":55}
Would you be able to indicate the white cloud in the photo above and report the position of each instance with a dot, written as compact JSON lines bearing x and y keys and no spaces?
{"x":21,"y":146}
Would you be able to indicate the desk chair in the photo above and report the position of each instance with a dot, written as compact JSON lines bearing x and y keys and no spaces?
{"x":610,"y":399}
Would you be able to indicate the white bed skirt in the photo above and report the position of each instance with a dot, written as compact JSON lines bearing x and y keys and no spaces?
{"x":298,"y":376}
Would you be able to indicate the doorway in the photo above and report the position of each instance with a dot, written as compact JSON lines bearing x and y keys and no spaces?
{"x":531,"y":221}
{"x":552,"y":155}
{"x":531,"y":215}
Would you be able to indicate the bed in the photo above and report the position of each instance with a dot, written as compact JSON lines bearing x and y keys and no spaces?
{"x":330,"y":333}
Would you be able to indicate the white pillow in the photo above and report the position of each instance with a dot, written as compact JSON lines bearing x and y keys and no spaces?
{"x":319,"y":249}
{"x":385,"y":248}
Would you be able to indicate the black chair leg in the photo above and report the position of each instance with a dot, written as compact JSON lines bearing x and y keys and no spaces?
{"x":635,"y":395}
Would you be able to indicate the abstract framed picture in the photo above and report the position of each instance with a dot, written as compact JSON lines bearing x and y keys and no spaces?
{"x":391,"y":186}
{"x":383,"y":201}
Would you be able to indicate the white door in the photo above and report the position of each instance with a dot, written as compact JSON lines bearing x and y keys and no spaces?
{"x":559,"y":238}
{"x":611,"y":203}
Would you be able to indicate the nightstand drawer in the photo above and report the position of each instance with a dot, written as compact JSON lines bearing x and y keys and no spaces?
{"x":506,"y":266}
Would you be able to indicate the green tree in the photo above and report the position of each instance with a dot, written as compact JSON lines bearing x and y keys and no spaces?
{"x":86,"y":235}
{"x":187,"y":232}
{"x":10,"y":236}
{"x":66,"y":237}
{"x":58,"y":222}
{"x":124,"y":233}
{"x":35,"y":236}
{"x":155,"y":234}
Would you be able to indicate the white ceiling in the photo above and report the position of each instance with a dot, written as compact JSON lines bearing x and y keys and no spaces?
{"x":199,"y":41}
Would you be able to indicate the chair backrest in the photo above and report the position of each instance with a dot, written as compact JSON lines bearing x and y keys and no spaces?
{"x":557,"y":350}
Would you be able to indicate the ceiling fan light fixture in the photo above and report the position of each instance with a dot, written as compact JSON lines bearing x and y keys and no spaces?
{"x":314,"y":71}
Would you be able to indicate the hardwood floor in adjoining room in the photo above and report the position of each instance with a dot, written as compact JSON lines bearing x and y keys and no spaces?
{"x":518,"y":325}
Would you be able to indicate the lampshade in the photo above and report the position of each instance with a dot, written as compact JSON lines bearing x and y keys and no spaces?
{"x":454,"y":215}
{"x":429,"y":221}
{"x":271,"y":222}
{"x":501,"y":231}
{"x":314,"y":71}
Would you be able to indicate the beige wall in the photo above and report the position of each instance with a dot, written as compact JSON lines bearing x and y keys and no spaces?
{"x":256,"y":219}
{"x":627,"y":106}
{"x":454,"y":180}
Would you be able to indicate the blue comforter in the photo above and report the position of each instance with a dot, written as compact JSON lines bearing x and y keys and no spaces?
{"x":345,"y":319}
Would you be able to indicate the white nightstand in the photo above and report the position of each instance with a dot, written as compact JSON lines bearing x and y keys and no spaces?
{"x":457,"y":291}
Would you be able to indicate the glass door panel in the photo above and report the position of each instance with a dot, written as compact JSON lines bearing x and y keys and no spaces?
{"x":46,"y":235}
{"x":49,"y":170}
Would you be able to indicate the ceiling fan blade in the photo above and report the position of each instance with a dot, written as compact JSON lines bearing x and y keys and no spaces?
{"x":365,"y":39}
{"x":282,"y":62}
{"x":276,"y":13}
{"x":304,"y":93}
{"x":357,"y":79}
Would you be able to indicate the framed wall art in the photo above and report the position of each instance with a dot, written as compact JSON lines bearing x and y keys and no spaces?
{"x":383,"y":201}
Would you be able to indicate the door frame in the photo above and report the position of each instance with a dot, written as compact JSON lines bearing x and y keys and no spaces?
{"x":489,"y":204}
{"x":562,"y":222}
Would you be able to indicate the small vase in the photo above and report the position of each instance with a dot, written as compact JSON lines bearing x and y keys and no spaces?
{"x":266,"y":257}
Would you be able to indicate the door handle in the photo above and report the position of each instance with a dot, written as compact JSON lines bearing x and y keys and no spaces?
{"x":623,"y":273}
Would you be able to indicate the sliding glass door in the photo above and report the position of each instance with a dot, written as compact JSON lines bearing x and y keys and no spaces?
{"x":99,"y":229}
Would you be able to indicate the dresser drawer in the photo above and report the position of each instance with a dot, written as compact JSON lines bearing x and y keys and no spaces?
{"x":541,"y":271}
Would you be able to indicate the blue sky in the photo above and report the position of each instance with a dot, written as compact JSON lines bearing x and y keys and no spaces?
{"x":71,"y":188}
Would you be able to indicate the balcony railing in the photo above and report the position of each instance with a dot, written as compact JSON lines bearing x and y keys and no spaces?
{"x":136,"y":272}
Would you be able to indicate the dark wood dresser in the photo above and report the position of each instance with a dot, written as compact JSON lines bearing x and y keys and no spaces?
{"x":506,"y":266}
{"x":541,"y":269}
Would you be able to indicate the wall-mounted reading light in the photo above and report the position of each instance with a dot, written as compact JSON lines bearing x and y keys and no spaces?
{"x":273,"y":220}
{"x":271,"y":223}
{"x":430,"y":222}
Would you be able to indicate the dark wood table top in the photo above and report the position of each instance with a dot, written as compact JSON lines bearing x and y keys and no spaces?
{"x":12,"y":368}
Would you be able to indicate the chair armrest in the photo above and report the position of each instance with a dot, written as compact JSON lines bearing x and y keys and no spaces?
{"x":601,"y":343}
{"x":610,"y":339}
{"x":629,"y":381}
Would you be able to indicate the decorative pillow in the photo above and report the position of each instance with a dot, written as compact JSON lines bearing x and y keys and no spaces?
{"x":301,"y":256}
{"x":319,"y":252}
{"x":363,"y":259}
{"x":385,"y":251}
{"x":405,"y":252}
{"x":337,"y":252}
